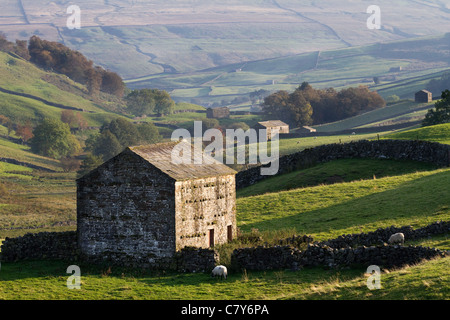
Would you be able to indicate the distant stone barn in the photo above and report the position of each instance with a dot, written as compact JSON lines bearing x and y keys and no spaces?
{"x":218,"y":113}
{"x":423,"y":96}
{"x":139,"y":207}
{"x":271,"y":126}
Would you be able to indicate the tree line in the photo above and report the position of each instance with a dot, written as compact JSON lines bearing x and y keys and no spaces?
{"x":308,"y":106}
{"x":441,"y":111}
{"x":57,"y":57}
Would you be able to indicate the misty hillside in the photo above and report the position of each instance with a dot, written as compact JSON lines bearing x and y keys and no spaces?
{"x":140,"y":38}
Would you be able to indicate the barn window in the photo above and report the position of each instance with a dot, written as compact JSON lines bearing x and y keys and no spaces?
{"x":211,"y":238}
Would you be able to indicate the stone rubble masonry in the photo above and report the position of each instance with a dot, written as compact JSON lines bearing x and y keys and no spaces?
{"x":42,"y":245}
{"x":63,"y":246}
{"x":129,"y":212}
{"x":346,"y":250}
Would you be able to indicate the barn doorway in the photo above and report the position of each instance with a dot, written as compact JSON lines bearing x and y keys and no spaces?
{"x":230,"y":233}
{"x":211,"y":238}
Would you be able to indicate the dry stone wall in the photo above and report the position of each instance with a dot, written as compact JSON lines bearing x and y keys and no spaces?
{"x":43,"y":245}
{"x":381,"y":235}
{"x":289,"y":257}
{"x":346,"y":250}
{"x":423,"y":151}
{"x":63,"y":246}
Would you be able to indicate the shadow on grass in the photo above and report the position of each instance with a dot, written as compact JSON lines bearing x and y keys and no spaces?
{"x":42,"y":270}
{"x":417,"y":202}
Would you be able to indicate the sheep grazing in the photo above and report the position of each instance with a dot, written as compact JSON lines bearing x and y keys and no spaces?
{"x":220,"y":271}
{"x":397,"y":238}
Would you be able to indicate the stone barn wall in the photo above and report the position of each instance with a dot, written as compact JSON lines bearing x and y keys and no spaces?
{"x":126,"y":212}
{"x":203,"y":205}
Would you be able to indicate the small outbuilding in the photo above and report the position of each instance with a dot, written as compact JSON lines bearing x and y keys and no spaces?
{"x":218,"y":113}
{"x":272,"y":126}
{"x":307,"y":129}
{"x":140,"y":208}
{"x":423,"y":96}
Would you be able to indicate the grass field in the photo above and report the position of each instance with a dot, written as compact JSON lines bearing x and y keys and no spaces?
{"x":330,"y":210}
{"x":406,"y":108}
{"x":323,"y":211}
{"x":327,"y":200}
{"x":438,"y":133}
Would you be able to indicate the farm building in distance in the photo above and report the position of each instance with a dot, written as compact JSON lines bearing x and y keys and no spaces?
{"x":423,"y":96}
{"x":306,"y":129}
{"x":140,"y":208}
{"x":271,"y":126}
{"x":218,"y":113}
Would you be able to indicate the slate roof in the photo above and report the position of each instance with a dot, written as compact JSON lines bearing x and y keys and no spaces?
{"x":160,"y":155}
{"x":273,"y":123}
{"x":426,"y":91}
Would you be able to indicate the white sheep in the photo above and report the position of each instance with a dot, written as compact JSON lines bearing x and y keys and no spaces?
{"x":219,"y":271}
{"x":396,"y":238}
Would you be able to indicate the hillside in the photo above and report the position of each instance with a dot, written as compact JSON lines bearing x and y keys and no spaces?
{"x":413,"y":199}
{"x":437,"y":133}
{"x":212,"y":33}
{"x":43,"y":91}
{"x":192,"y":48}
{"x":402,"y":67}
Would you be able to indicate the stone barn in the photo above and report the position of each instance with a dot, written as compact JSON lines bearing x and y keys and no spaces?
{"x":271,"y":126}
{"x":423,"y":96}
{"x":139,"y":208}
{"x":218,"y":113}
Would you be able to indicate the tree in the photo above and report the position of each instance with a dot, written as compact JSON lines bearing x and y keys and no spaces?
{"x":89,"y":163}
{"x":147,"y":101}
{"x":307,"y":105}
{"x":112,"y":83}
{"x":69,"y":164}
{"x":106,"y":145}
{"x":74,"y":120}
{"x":94,"y":81}
{"x":440,"y":113}
{"x":148,"y":133}
{"x":21,"y":49}
{"x":68,"y":116}
{"x":124,"y":131}
{"x":293,"y":108}
{"x":52,"y":138}
{"x":163,"y":102}
{"x":141,"y":102}
{"x":25,"y":132}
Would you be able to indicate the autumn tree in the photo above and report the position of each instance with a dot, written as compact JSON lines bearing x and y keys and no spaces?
{"x":293,"y":108}
{"x":25,"y":131}
{"x":307,"y":105}
{"x":56,"y":56}
{"x":112,"y":83}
